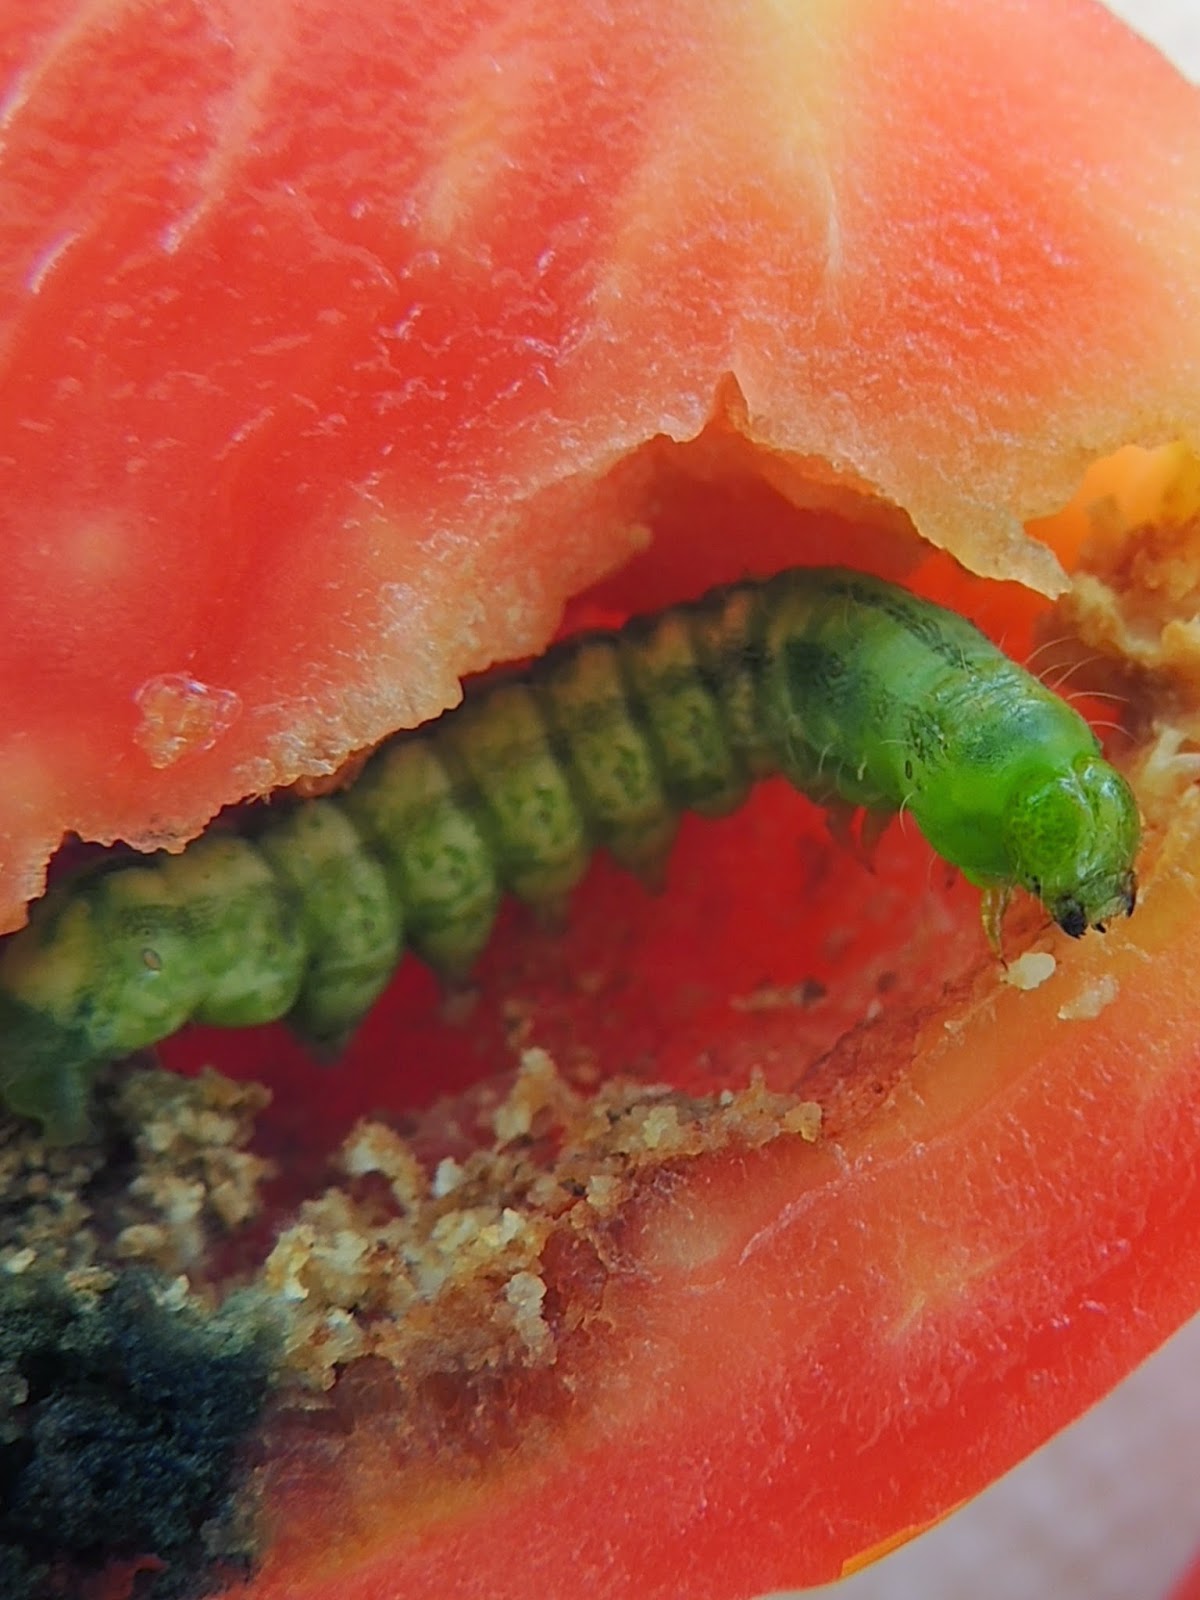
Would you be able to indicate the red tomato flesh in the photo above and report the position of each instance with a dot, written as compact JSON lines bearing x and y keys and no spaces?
{"x":1188,"y":1587}
{"x":330,"y":331}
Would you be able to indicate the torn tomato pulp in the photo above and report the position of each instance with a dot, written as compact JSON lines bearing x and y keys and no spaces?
{"x":800,"y":1222}
{"x":338,"y":332}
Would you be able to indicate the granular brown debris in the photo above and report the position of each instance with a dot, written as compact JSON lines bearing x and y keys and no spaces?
{"x":431,"y":1261}
{"x":1133,"y":614}
{"x":445,"y":1269}
{"x":169,"y":1177}
{"x":1137,"y":600}
{"x":45,"y":1216}
{"x":196,"y":1180}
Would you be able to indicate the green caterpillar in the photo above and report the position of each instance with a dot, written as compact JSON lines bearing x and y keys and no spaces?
{"x":858,"y":692}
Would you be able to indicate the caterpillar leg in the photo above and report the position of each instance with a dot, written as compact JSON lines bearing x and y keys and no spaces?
{"x":993,"y":905}
{"x":857,"y":830}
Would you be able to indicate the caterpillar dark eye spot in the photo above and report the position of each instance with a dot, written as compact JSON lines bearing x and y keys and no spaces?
{"x":849,"y":687}
{"x":1072,"y":919}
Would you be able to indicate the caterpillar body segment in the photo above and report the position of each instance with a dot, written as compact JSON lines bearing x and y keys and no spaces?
{"x":860,"y":693}
{"x":323,"y":871}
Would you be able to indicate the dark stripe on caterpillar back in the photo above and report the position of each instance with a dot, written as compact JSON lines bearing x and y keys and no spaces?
{"x":858,"y":692}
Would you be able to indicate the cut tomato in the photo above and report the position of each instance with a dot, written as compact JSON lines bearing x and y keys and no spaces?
{"x":333,"y":334}
{"x":347,"y":344}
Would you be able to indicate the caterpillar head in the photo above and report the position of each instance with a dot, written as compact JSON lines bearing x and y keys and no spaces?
{"x":1072,"y":839}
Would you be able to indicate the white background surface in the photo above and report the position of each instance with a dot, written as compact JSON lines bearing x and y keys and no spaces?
{"x":1110,"y":1509}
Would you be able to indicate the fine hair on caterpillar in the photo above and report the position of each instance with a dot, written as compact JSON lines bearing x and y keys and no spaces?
{"x":859,"y":693}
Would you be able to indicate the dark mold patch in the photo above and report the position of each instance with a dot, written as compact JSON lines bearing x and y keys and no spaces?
{"x":121,"y":1416}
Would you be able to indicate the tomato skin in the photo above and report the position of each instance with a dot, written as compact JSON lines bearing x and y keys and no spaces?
{"x":329,"y":330}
